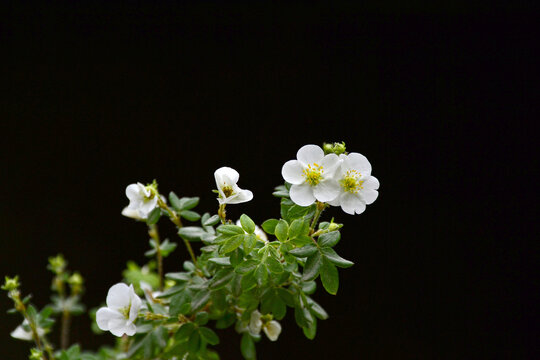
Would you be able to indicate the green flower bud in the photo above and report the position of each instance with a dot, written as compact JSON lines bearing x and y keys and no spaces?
{"x":57,"y":264}
{"x":11,"y":284}
{"x":35,"y":354}
{"x":335,"y":148}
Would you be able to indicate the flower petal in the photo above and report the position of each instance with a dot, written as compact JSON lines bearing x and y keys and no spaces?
{"x":358,"y":162}
{"x":330,"y":164}
{"x":226,"y":176}
{"x":352,"y":203}
{"x":369,"y":196}
{"x":131,"y":213}
{"x":308,"y":154}
{"x":118,"y":327}
{"x":104,"y":316}
{"x":302,"y":194}
{"x":147,"y":206}
{"x":255,"y":323}
{"x":240,"y":197}
{"x":135,"y":304}
{"x":118,"y":296}
{"x":326,"y":190}
{"x":371,"y":183}
{"x":292,"y":172}
{"x":21,"y":334}
{"x":130,"y":329}
{"x":272,"y":330}
{"x":133,"y":192}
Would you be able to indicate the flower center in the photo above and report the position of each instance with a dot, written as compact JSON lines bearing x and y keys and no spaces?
{"x":125,"y":311}
{"x":351,"y":182}
{"x":227,"y":190}
{"x":313,"y":174}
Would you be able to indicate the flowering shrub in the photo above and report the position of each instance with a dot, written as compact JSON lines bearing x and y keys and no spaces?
{"x":246,"y":277}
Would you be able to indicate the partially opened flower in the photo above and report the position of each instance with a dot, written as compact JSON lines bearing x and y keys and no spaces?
{"x":21,"y":334}
{"x":311,"y":176}
{"x":121,"y":312}
{"x":271,"y":328}
{"x":357,"y":186}
{"x":229,"y":192}
{"x":141,"y":201}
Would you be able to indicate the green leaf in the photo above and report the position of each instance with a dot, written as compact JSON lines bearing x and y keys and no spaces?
{"x":175,"y":201}
{"x":318,"y":310}
{"x":304,"y":251}
{"x":313,"y":264}
{"x":331,"y":255}
{"x":194,"y":342}
{"x":225,"y":321}
{"x":167,"y":248}
{"x":199,"y":300}
{"x":211,"y":221}
{"x":247,"y":347}
{"x":178,"y":276}
{"x":298,"y":227}
{"x":282,"y":230}
{"x":286,"y":296}
{"x":188,"y":203}
{"x":279,"y":309}
{"x":154,"y":216}
{"x":273,"y":265}
{"x":246,"y":266}
{"x":191,"y":233}
{"x":180,"y":304}
{"x":281,"y":191}
{"x":201,"y":318}
{"x":269,"y":226}
{"x":247,"y":224}
{"x":223,"y":261}
{"x":329,"y":239}
{"x":209,"y":335}
{"x":311,"y":330}
{"x":261,"y":274}
{"x":329,"y":276}
{"x":190,"y":215}
{"x":220,"y":279}
{"x":230,"y":230}
{"x":249,"y":242}
{"x":236,"y":257}
{"x":184,"y":332}
{"x":233,"y":243}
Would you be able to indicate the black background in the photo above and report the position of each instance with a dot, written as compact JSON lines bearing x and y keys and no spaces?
{"x":97,"y":96}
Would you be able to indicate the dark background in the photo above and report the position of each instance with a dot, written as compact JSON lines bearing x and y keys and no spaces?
{"x":98,"y":96}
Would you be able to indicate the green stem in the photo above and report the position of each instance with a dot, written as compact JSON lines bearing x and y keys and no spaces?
{"x":176,"y":221}
{"x":154,"y":234}
{"x":222,"y":213}
{"x":320,"y":208}
{"x":64,"y":338}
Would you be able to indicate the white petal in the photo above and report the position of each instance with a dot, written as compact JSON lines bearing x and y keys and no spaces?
{"x":371,"y":183}
{"x":118,"y":327}
{"x":147,"y":206}
{"x":352,"y":203}
{"x":326,"y":190}
{"x":118,"y":296}
{"x":135,"y":304}
{"x":272,"y":330}
{"x":133,"y":192}
{"x":260,"y":233}
{"x":358,"y":162}
{"x":292,"y":172}
{"x":240,"y":197}
{"x":130,"y":329}
{"x":369,"y":196}
{"x":302,"y":194}
{"x":131,"y":213}
{"x":309,"y":154}
{"x":105,"y":315}
{"x":21,"y":334}
{"x":255,"y":323}
{"x":226,"y":176}
{"x":330,"y":164}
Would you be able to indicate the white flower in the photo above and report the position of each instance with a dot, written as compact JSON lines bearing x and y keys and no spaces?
{"x":121,"y":312}
{"x":311,"y":176}
{"x":141,"y":199}
{"x":131,"y":213}
{"x":358,"y":187}
{"x":261,"y":235}
{"x":21,"y":334}
{"x":229,"y":192}
{"x":271,"y":328}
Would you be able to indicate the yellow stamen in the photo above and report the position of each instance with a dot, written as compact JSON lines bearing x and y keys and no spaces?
{"x":313,"y":174}
{"x":227,"y":190}
{"x":351,"y":182}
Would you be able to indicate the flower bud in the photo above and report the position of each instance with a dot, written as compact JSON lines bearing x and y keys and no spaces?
{"x":57,"y":264}
{"x":35,"y":354}
{"x":11,"y":284}
{"x":335,"y":148}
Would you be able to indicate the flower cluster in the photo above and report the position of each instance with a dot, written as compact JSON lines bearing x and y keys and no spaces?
{"x":343,"y":180}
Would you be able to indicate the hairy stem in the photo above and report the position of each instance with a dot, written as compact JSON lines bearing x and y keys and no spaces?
{"x":320,"y":208}
{"x":64,"y":337}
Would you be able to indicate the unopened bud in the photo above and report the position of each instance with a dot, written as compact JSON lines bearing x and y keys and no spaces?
{"x":11,"y":284}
